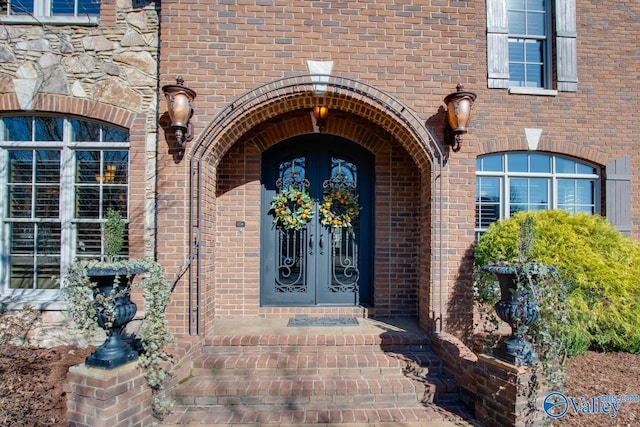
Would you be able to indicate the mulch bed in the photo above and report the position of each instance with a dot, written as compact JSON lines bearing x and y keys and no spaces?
{"x":32,"y":384}
{"x":592,"y":375}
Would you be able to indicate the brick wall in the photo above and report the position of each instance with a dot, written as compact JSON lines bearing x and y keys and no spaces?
{"x":108,"y":398}
{"x":415,"y":51}
{"x":237,"y":250}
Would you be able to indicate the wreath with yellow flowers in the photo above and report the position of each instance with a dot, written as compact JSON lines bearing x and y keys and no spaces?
{"x":292,"y":208}
{"x":339,"y":208}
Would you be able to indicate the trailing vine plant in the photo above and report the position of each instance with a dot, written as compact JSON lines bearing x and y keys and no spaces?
{"x":85,"y":304}
{"x":548,"y":335}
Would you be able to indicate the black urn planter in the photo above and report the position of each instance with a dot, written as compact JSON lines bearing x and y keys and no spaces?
{"x":115,"y":351}
{"x":517,"y":308}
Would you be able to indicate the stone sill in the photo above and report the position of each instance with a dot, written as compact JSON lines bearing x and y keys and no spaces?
{"x":40,"y":299}
{"x":501,"y":364}
{"x":532,"y":91}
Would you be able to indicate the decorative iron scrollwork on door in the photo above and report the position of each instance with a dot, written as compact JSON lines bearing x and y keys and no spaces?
{"x":292,"y":210}
{"x":340,"y":211}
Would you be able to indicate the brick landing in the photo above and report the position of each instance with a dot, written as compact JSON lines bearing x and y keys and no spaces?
{"x":261,"y":372}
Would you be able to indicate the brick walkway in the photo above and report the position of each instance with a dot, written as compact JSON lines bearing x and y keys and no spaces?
{"x":265,"y":373}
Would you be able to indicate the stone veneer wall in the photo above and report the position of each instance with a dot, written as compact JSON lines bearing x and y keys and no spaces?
{"x":113,"y":64}
{"x":106,"y":72}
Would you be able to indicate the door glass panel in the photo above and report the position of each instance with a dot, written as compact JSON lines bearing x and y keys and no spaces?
{"x":344,"y":261}
{"x":291,"y":254}
{"x":291,"y":261}
{"x":340,"y":190}
{"x":321,"y":256}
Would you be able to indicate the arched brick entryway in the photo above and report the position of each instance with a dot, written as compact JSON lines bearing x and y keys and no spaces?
{"x":225,"y":194}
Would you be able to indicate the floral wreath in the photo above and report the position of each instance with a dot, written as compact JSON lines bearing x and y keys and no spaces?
{"x":292,"y":208}
{"x":339,"y":208}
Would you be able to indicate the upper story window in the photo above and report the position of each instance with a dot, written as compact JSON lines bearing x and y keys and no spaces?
{"x":520,"y":36}
{"x":528,"y":43}
{"x":58,"y":177}
{"x":50,"y":11}
{"x":512,"y":182}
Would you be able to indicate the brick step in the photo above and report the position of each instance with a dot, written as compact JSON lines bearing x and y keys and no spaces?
{"x":328,"y":391}
{"x":388,"y":377}
{"x":320,"y":362}
{"x":387,"y":341}
{"x":215,"y":375}
{"x":291,"y":415}
{"x":230,"y":390}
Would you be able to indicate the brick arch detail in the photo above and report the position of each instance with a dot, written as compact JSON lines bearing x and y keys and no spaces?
{"x":73,"y":106}
{"x":263,"y":104}
{"x":348,"y":126}
{"x":546,"y":145}
{"x":281,"y":109}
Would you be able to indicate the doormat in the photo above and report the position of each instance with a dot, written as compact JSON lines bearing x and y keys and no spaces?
{"x":323,"y":321}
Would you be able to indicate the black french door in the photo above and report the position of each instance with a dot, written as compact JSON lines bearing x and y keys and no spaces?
{"x":318,"y":262}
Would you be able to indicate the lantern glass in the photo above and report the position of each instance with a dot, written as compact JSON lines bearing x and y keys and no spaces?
{"x":179,"y":109}
{"x":459,"y":114}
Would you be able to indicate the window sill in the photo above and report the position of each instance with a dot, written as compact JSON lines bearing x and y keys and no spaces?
{"x":532,"y":91}
{"x":50,"y":299}
{"x":89,"y":21}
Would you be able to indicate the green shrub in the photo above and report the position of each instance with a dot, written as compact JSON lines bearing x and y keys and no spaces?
{"x":600,"y":266}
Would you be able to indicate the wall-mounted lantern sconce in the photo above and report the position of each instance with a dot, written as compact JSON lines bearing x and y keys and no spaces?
{"x":179,"y":103}
{"x":321,"y":113}
{"x":459,"y":105}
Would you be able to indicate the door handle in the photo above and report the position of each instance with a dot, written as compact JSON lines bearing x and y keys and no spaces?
{"x":310,"y":244}
{"x":321,"y":245}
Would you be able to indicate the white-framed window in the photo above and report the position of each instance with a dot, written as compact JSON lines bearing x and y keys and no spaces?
{"x":520,"y":36}
{"x":529,"y":25}
{"x":58,"y":177}
{"x":508,"y":183}
{"x":50,"y":11}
